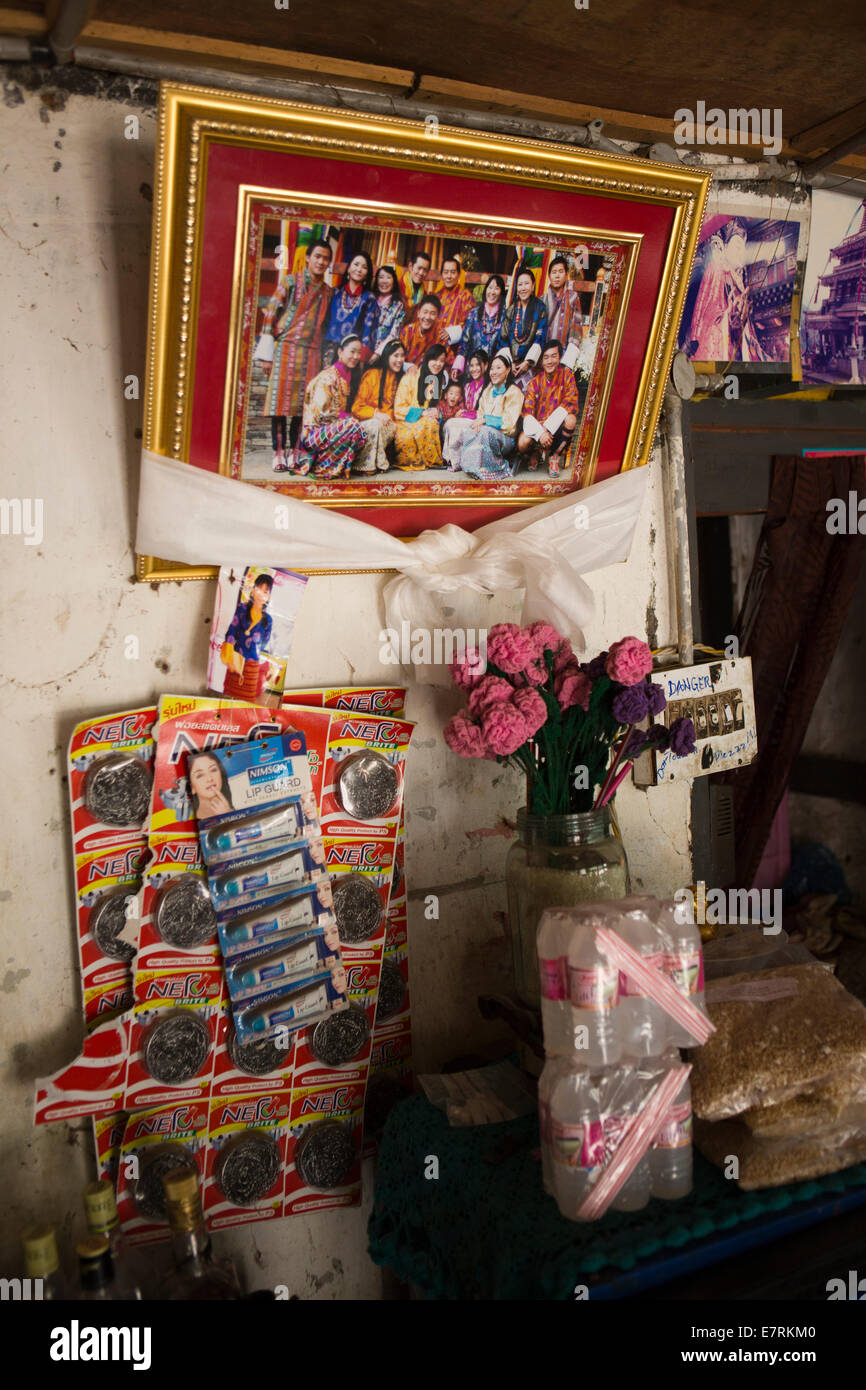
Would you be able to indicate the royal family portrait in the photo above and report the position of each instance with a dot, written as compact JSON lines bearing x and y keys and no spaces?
{"x":383,"y":355}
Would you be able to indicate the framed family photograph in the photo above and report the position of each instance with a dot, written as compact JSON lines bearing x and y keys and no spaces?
{"x":410,"y":323}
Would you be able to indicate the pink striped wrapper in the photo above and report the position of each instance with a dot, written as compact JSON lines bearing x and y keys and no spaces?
{"x":638,"y":1136}
{"x":655,"y":984}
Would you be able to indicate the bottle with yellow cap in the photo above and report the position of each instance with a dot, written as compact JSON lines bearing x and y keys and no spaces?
{"x":198,"y":1274}
{"x":100,"y":1208}
{"x":41,"y":1261}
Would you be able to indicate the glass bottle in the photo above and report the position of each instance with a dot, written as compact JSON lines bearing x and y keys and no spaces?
{"x":198,"y":1274}
{"x":557,"y":861}
{"x":41,"y":1261}
{"x":96,"y":1277}
{"x":100,"y":1208}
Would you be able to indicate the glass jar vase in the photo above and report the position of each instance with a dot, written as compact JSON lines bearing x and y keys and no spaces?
{"x":557,"y":861}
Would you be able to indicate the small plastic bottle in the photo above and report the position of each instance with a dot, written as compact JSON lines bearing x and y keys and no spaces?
{"x":553,"y":974}
{"x":546,"y":1082}
{"x":683,"y":965}
{"x":636,"y":1190}
{"x":670,"y":1157}
{"x":577,"y":1140}
{"x":643,"y":1023}
{"x":594,"y":992}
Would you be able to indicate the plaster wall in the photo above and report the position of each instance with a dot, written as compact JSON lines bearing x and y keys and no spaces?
{"x":75,"y":228}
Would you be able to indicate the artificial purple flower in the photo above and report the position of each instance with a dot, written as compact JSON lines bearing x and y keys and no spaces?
{"x":634,"y":745}
{"x":630,"y":705}
{"x":682,"y":737}
{"x":595,"y":668}
{"x":657,"y":736}
{"x":655,"y":698}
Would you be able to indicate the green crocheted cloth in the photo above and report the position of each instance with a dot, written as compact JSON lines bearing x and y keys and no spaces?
{"x":486,"y":1228}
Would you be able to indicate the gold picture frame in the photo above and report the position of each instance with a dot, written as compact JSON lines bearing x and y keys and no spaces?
{"x":204,"y":130}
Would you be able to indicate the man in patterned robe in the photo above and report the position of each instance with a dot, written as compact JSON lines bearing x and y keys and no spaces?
{"x":424,"y":331}
{"x":551,"y":405}
{"x":290,"y":348}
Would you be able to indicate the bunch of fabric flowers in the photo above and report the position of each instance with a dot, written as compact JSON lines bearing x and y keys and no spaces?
{"x":570,"y":726}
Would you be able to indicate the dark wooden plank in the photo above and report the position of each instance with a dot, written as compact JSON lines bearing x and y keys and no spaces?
{"x":732,"y":444}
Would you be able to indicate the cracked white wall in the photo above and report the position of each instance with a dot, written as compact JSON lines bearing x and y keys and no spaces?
{"x":75,"y":229}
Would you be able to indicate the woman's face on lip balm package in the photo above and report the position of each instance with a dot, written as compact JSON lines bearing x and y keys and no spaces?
{"x":205,"y":778}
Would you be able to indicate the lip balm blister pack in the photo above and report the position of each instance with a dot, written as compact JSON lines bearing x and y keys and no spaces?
{"x":267,"y":879}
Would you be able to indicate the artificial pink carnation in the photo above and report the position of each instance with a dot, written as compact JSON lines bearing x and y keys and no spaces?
{"x":564,"y":657}
{"x":504,"y":729}
{"x":490,"y":691}
{"x":467,"y":673}
{"x":533,"y":709}
{"x":572,"y":687}
{"x":464,"y":737}
{"x":510,"y":648}
{"x":629,"y":661}
{"x":545,"y":637}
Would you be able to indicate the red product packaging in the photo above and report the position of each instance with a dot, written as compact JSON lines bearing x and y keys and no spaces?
{"x":363,"y":786}
{"x":173,"y":1036}
{"x":154,"y":1142}
{"x":104,"y":882}
{"x":178,"y":926}
{"x":110,"y":769}
{"x":330,"y":1052}
{"x":360,"y":872}
{"x":380,"y":700}
{"x":323,"y":1166}
{"x":108,"y":1133}
{"x":245,"y":1165}
{"x":256,"y":1068}
{"x":391,"y":1080}
{"x":91,"y":1085}
{"x":195,"y":725}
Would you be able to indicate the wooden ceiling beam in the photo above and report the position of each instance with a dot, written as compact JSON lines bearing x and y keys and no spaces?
{"x":194,"y":50}
{"x":279,"y":62}
{"x":831,"y":132}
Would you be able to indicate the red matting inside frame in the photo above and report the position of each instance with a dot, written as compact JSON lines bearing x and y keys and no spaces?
{"x":228,"y":167}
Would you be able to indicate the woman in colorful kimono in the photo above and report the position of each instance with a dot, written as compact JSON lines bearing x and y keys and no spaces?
{"x":290,"y":348}
{"x":416,"y":411}
{"x":390,"y":312}
{"x":374,"y":407}
{"x":330,"y":433}
{"x":353,"y":308}
{"x":456,"y":431}
{"x":493,"y":434}
{"x":524,"y":326}
{"x":482,"y":327}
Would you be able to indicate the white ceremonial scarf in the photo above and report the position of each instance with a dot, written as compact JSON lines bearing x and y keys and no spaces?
{"x":199,"y":518}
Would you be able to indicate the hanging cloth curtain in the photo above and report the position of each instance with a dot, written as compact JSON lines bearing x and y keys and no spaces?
{"x":798,"y":593}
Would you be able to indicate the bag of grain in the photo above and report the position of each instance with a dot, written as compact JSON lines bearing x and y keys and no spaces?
{"x":779,"y":1034}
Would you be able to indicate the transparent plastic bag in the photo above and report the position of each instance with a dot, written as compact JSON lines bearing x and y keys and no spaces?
{"x":778,"y":1034}
{"x":774,"y":1162}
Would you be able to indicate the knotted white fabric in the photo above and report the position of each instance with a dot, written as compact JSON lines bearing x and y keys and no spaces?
{"x":201,"y":518}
